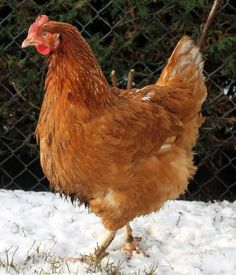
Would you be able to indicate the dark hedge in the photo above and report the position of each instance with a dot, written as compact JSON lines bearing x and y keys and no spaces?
{"x":124,"y":35}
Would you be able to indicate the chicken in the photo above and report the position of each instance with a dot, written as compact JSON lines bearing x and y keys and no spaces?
{"x":123,"y":153}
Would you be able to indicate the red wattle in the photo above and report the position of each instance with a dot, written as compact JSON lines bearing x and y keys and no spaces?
{"x":43,"y":49}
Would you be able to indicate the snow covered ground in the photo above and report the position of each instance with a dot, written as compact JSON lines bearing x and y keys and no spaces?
{"x":41,"y":233}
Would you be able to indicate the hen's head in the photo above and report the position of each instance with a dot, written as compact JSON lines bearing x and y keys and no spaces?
{"x":42,"y":36}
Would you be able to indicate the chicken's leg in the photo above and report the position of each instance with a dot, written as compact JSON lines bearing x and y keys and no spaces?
{"x":131,"y":243}
{"x":100,"y":251}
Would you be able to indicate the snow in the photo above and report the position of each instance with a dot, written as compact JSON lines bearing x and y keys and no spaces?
{"x":44,"y":234}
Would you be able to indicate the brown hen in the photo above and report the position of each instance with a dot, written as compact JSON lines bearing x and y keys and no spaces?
{"x":121,"y":152}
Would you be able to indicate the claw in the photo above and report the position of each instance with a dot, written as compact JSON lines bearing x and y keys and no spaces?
{"x":93,"y":259}
{"x":100,"y":251}
{"x":133,"y":246}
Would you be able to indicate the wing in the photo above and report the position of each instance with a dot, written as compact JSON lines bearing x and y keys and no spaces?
{"x":141,"y":124}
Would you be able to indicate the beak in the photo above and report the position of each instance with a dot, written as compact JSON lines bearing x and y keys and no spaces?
{"x":27,"y":42}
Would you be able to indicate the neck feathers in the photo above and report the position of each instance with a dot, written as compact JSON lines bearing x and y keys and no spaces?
{"x":75,"y":73}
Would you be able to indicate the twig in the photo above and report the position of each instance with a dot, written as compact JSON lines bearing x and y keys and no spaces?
{"x":231,"y":120}
{"x":24,"y":98}
{"x":223,"y":142}
{"x":130,"y":79}
{"x":113,"y":78}
{"x":25,"y":141}
{"x":207,"y":25}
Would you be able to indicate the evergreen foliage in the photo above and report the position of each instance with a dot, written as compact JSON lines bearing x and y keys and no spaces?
{"x":124,"y":34}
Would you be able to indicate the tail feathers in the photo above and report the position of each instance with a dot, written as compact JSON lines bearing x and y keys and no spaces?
{"x":185,"y":69}
{"x":185,"y":54}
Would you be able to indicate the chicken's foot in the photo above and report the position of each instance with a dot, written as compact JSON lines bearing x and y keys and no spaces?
{"x":100,"y":251}
{"x":131,"y":243}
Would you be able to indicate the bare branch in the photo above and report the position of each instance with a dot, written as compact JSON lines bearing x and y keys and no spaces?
{"x":202,"y":40}
{"x":130,"y":79}
{"x":113,"y":78}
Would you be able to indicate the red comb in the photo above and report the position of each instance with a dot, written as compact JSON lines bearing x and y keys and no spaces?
{"x":40,"y":20}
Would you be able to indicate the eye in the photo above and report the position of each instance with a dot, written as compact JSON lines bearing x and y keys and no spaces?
{"x":45,"y":34}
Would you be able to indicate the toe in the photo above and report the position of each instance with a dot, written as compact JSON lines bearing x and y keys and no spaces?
{"x":133,"y":246}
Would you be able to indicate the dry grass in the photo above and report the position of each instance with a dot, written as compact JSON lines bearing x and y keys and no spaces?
{"x":42,"y":261}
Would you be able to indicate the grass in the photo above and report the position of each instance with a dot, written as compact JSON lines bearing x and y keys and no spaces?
{"x":9,"y":263}
{"x":43,"y":261}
